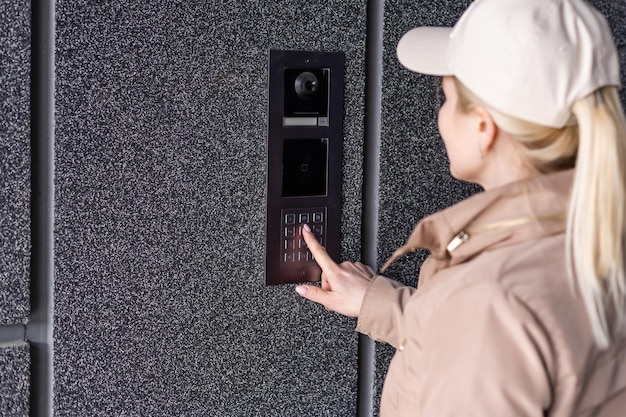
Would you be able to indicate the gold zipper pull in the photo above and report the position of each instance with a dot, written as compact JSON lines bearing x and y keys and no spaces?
{"x":458,"y":240}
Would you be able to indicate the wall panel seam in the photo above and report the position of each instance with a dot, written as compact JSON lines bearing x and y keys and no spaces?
{"x":371,"y":180}
{"x":39,"y":329}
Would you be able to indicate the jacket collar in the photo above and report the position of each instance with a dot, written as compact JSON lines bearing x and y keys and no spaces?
{"x":505,"y":215}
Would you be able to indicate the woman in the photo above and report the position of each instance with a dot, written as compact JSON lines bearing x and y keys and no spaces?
{"x":520,"y":306}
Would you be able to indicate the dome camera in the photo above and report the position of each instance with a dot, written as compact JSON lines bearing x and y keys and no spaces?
{"x":306,"y":85}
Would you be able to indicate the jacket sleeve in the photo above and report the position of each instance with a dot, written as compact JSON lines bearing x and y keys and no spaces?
{"x":485,"y":352}
{"x":382,"y":310}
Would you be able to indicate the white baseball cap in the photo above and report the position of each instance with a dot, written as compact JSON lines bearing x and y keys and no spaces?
{"x":531,"y":59}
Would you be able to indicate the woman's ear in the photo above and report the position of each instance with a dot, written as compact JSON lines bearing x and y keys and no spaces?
{"x":486,"y":129}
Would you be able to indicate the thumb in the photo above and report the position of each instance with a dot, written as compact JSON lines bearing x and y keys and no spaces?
{"x":313,"y":293}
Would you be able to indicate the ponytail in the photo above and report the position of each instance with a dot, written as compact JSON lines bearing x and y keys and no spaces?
{"x":596,"y":222}
{"x":594,"y":140}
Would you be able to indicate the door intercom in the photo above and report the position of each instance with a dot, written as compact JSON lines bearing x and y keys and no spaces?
{"x":305,"y":135}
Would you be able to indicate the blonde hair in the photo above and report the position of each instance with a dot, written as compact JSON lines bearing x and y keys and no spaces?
{"x":594,"y":140}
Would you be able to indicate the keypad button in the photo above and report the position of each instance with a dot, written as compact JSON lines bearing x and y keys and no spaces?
{"x":318,"y":229}
{"x":302,"y":244}
{"x":290,"y":218}
{"x":290,"y":231}
{"x":290,"y":257}
{"x":304,"y":218}
{"x":318,"y":217}
{"x":303,"y":256}
{"x":290,"y":244}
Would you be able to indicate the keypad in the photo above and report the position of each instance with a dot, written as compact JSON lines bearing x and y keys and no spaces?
{"x":295,"y":251}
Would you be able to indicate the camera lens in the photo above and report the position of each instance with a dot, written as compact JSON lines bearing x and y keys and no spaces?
{"x":306,"y":85}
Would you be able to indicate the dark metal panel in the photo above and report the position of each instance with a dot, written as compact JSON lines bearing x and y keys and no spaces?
{"x":282,"y":264}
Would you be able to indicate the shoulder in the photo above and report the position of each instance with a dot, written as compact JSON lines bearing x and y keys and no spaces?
{"x":522,"y":283}
{"x":533,"y":272}
{"x":524,"y":287}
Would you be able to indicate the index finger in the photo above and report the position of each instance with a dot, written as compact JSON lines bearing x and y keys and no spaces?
{"x":319,"y":252}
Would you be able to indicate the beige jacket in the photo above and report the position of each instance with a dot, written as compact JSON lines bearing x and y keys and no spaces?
{"x":494,"y":328}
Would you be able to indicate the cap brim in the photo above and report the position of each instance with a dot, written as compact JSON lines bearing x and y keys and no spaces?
{"x":424,"y":50}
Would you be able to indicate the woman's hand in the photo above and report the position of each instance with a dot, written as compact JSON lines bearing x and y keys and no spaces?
{"x":343,"y":286}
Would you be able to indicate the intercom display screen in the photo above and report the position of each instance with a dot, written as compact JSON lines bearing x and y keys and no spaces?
{"x":304,"y":167}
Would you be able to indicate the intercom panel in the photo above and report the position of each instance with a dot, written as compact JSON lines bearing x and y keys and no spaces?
{"x":304,"y":144}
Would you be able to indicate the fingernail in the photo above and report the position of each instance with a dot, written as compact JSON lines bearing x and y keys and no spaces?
{"x":306,"y":227}
{"x":301,"y":289}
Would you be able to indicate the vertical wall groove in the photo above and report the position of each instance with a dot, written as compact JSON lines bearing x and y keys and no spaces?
{"x":39,"y":329}
{"x":371,"y":179}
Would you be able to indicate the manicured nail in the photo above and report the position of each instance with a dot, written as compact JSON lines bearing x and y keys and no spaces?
{"x":306,"y":227}
{"x":301,"y":289}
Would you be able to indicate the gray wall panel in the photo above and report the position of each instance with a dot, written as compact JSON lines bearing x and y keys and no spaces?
{"x":415,"y":180}
{"x":14,"y":385}
{"x":414,"y":176}
{"x":160,"y":302}
{"x":14,"y":160}
{"x":161,"y":307}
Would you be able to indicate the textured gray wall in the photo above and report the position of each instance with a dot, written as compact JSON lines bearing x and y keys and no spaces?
{"x":414,"y":176}
{"x":160,"y":302}
{"x":14,"y":204}
{"x":14,"y":160}
{"x":14,"y":386}
{"x":161,"y":306}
